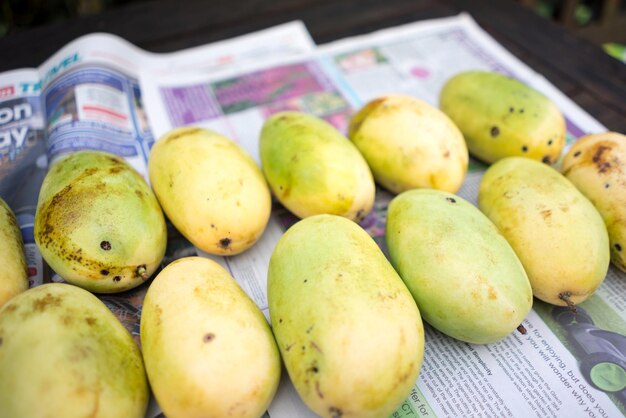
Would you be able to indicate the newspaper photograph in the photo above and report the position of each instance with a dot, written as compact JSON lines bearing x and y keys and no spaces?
{"x":100,"y":92}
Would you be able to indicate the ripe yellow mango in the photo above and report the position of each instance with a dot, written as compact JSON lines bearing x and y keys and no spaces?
{"x":502,"y":117}
{"x":410,"y":144}
{"x":209,"y":351}
{"x":13,"y":273}
{"x":558,"y":235}
{"x":210,"y":189}
{"x":98,"y":224}
{"x":348,"y":329}
{"x":64,"y":354}
{"x":464,"y":276}
{"x":596,"y":165}
{"x":313,"y":169}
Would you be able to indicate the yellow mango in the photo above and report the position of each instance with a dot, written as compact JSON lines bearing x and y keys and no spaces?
{"x":596,"y":165}
{"x":313,"y":169}
{"x":410,"y":144}
{"x":209,"y":351}
{"x":503,"y":117}
{"x":558,"y":235}
{"x":210,"y":189}
{"x":98,"y":224}
{"x":349,"y":332}
{"x":465,"y":277}
{"x":64,"y":354}
{"x":14,"y":272}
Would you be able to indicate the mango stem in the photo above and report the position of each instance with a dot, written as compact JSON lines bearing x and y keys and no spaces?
{"x":142,"y":272}
{"x":521,"y":329}
{"x":565,"y":297}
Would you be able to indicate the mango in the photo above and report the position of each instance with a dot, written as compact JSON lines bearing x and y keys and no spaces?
{"x":64,"y":354}
{"x":14,"y":272}
{"x":98,"y":224}
{"x":313,"y":169}
{"x":464,"y":276}
{"x":502,"y":117}
{"x":348,"y":330}
{"x":596,"y":165}
{"x":208,"y":349}
{"x":210,"y":189}
{"x":556,"y":232}
{"x":409,"y":144}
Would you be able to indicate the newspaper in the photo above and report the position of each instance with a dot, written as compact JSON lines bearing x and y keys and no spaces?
{"x":554,"y":370}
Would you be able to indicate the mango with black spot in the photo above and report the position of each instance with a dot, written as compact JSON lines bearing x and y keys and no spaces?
{"x":503,"y":117}
{"x":64,"y":354}
{"x":409,"y":144}
{"x":211,"y":189}
{"x":98,"y":224}
{"x":556,"y":232}
{"x":349,"y":332}
{"x":465,"y":277}
{"x":13,"y":273}
{"x":596,"y":164}
{"x":313,"y":169}
{"x":208,"y":349}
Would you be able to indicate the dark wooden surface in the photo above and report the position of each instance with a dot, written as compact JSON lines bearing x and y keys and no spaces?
{"x":580,"y":69}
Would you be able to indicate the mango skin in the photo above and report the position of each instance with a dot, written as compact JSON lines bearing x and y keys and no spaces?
{"x":64,"y":354}
{"x":502,"y":117}
{"x":596,"y":165}
{"x":556,"y":232}
{"x":349,"y":332}
{"x":98,"y":224}
{"x":313,"y":169}
{"x":210,"y":189}
{"x":409,"y":144}
{"x":464,"y":276}
{"x":14,"y":272}
{"x":209,"y":351}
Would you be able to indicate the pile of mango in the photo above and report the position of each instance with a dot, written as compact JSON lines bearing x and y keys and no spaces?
{"x":346,"y":319}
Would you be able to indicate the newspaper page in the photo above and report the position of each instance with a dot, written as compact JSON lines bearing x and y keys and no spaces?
{"x":567,"y":365}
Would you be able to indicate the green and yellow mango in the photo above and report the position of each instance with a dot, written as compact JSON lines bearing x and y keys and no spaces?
{"x":348,"y":330}
{"x":556,"y":232}
{"x":208,"y":349}
{"x":503,"y":117}
{"x":98,"y":224}
{"x":465,"y":277}
{"x":313,"y":169}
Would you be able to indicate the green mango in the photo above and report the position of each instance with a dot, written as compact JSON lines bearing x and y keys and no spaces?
{"x":502,"y":117}
{"x":208,"y":349}
{"x":558,"y":235}
{"x":348,"y":330}
{"x":13,"y":273}
{"x":464,"y":276}
{"x":64,"y":354}
{"x":313,"y":169}
{"x":98,"y":224}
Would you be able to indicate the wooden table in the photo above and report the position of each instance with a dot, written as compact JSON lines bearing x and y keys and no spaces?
{"x":578,"y":68}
